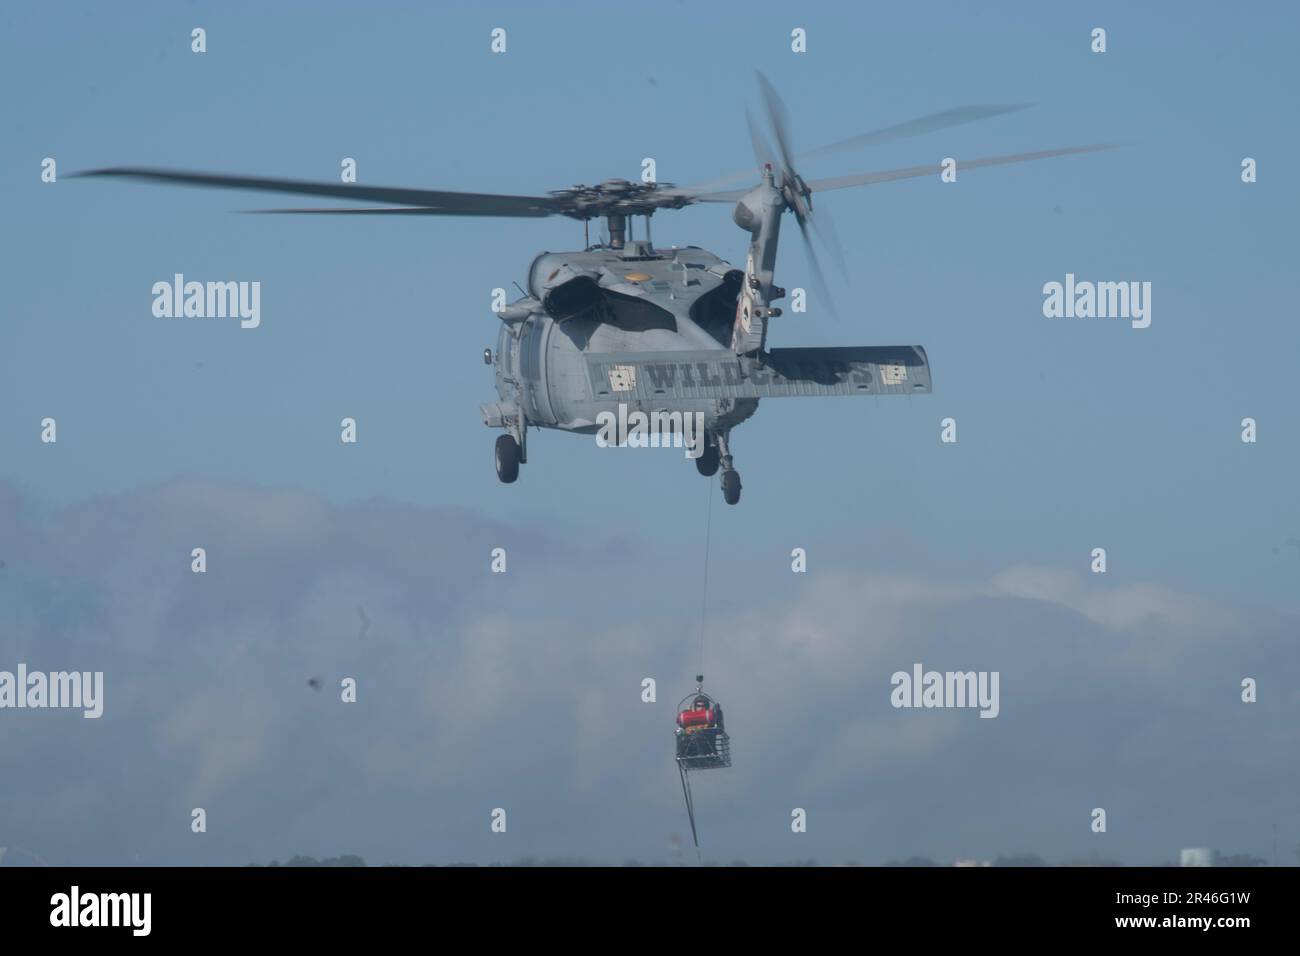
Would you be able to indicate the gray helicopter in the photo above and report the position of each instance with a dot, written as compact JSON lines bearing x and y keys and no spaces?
{"x":622,"y":328}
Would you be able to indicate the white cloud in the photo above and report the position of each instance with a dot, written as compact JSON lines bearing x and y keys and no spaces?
{"x":472,"y":687}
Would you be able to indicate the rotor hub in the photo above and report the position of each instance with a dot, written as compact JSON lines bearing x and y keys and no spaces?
{"x":616,"y":197}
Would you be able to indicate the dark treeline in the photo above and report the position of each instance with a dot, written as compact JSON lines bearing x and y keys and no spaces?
{"x":1014,"y":859}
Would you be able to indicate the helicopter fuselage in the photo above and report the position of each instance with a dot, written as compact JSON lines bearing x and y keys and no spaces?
{"x":606,"y":301}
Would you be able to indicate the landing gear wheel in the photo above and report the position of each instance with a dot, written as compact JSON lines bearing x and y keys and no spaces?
{"x":731,"y":486}
{"x":507,"y":458}
{"x":707,"y":463}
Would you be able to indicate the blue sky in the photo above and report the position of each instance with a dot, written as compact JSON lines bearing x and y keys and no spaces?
{"x":1073,"y":434}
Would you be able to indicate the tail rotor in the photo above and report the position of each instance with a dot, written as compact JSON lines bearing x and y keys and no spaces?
{"x":794,"y":190}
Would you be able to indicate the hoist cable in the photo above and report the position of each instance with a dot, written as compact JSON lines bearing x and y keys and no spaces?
{"x":704,"y":597}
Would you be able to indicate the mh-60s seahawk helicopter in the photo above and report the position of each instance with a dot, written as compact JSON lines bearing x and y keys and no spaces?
{"x":678,"y":332}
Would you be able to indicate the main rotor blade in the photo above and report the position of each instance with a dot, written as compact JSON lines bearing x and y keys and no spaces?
{"x":445,"y":203}
{"x":930,"y":123}
{"x":910,"y":172}
{"x":366,"y":211}
{"x":917,"y":127}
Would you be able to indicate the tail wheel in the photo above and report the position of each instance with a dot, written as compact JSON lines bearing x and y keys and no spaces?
{"x":707,"y":463}
{"x":731,"y":487}
{"x":507,"y":458}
